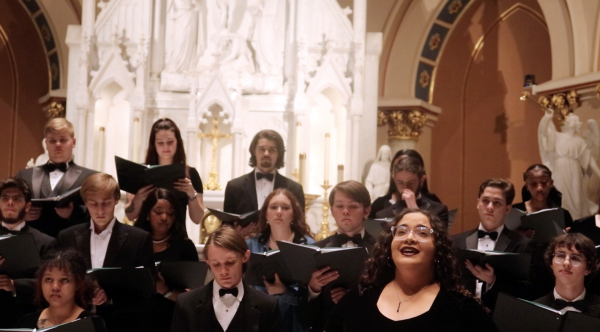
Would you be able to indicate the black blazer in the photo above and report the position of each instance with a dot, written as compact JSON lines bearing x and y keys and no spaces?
{"x":49,"y":222}
{"x":240,"y":193}
{"x":423,"y":203}
{"x":194,"y":311}
{"x":592,"y":303}
{"x":508,"y":241}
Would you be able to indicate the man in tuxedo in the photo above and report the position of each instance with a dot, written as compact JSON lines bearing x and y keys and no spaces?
{"x":105,"y":242}
{"x":56,"y":177}
{"x":17,"y":290}
{"x":494,"y":202}
{"x":409,"y":176}
{"x":248,"y":192}
{"x":350,"y":205}
{"x":227,"y":303}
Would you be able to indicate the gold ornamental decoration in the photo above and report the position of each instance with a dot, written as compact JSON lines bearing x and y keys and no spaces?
{"x":402,"y":124}
{"x":562,"y":103}
{"x":213,"y":175}
{"x":55,"y":110}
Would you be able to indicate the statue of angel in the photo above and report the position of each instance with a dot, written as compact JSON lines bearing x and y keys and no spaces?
{"x":180,"y":42}
{"x":570,"y":154}
{"x":378,"y":179}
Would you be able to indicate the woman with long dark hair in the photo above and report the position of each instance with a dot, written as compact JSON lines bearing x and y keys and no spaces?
{"x":282,"y":219}
{"x":165,"y":147}
{"x":411,"y":282}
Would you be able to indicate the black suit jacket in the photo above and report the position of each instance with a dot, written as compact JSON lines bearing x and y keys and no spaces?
{"x":240,"y":193}
{"x":49,"y":222}
{"x":592,"y":303}
{"x":14,"y":307}
{"x":508,"y":241}
{"x":194,"y":311}
{"x":423,"y":203}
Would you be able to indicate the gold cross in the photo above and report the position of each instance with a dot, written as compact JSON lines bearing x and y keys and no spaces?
{"x":213,"y":175}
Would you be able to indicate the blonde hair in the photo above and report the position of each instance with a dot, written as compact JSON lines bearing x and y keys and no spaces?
{"x":59,"y":124}
{"x":100,"y":183}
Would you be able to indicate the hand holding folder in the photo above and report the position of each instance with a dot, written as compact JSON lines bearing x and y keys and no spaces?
{"x":512,"y":265}
{"x":265,"y":265}
{"x":547,"y":224}
{"x":133,"y":176}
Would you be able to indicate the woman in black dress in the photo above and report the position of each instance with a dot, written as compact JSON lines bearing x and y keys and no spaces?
{"x":392,"y":195}
{"x":63,"y":289}
{"x":412,"y":283}
{"x":165,"y":148}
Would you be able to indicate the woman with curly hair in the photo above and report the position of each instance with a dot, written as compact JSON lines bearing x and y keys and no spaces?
{"x":63,"y":289}
{"x":412,"y":282}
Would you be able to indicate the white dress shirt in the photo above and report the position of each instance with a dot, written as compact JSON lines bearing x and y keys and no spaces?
{"x":14,"y":228}
{"x":263,"y":187}
{"x":486,"y":243}
{"x":55,"y":176}
{"x":351,"y":244}
{"x":99,"y":244}
{"x":227,"y":305}
{"x":569,"y":308}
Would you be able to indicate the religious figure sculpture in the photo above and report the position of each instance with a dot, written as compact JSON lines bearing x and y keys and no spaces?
{"x":571,"y":157}
{"x":41,"y":159}
{"x":180,"y":48}
{"x":378,"y":179}
{"x":262,"y":37}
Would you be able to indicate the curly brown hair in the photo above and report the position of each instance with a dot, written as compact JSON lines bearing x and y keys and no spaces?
{"x":379,"y":273}
{"x":298,"y":224}
{"x":574,"y":241}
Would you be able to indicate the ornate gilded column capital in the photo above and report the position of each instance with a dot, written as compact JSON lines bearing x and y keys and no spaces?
{"x":402,"y":124}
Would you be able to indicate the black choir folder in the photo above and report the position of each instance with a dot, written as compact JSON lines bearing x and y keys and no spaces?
{"x":512,"y":265}
{"x":516,"y":315}
{"x":133,"y":176}
{"x":115,"y":280}
{"x":547,"y":224}
{"x":58,"y":201}
{"x":241,"y":219}
{"x":88,"y":324}
{"x":184,"y":274}
{"x":265,"y":265}
{"x":20,"y":254}
{"x":302,"y":260}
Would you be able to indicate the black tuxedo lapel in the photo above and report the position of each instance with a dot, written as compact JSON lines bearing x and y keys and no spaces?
{"x":36,"y":181}
{"x":82,"y":239}
{"x":205,"y":312}
{"x":593,"y":306}
{"x":69,"y":178}
{"x":471,"y":241}
{"x":46,"y":188}
{"x":251,"y":312}
{"x":250,"y":188}
{"x":503,"y":241}
{"x":280,"y":181}
{"x":115,"y":243}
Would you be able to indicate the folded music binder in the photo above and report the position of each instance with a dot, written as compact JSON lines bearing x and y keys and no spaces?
{"x":184,"y":274}
{"x":116,"y":279}
{"x":20,"y":254}
{"x":61,"y":200}
{"x":231,"y":218}
{"x":547,"y":224}
{"x":265,"y":265}
{"x":512,"y":265}
{"x":133,"y":176}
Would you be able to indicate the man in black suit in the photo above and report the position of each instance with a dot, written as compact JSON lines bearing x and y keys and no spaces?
{"x":105,"y":242}
{"x":494,"y":202}
{"x":409,"y":176}
{"x":227,"y":303}
{"x":57,"y":177}
{"x":16,"y":293}
{"x":350,"y":205}
{"x":248,"y":192}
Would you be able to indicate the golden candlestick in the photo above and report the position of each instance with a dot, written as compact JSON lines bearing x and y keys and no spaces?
{"x":213,"y":175}
{"x":296,"y":175}
{"x":325,"y":231}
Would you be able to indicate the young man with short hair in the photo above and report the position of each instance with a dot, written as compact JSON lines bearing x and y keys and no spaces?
{"x":56,"y":177}
{"x":227,"y":303}
{"x":105,"y":242}
{"x":409,"y":176}
{"x":16,"y":295}
{"x":493,"y":203}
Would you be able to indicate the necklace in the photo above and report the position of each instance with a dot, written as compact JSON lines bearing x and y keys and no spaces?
{"x":161,"y":241}
{"x":273,"y":243}
{"x":398,"y":295}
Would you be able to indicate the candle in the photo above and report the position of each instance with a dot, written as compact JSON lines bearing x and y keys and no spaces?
{"x":340,"y":173}
{"x":298,"y":143}
{"x":302,"y":171}
{"x":326,"y":174}
{"x":101,"y":152}
{"x":136,"y":140}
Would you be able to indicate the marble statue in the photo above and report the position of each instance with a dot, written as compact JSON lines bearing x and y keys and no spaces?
{"x":41,"y":159}
{"x":378,"y":179}
{"x":570,"y":155}
{"x":180,"y":44}
{"x":262,"y":36}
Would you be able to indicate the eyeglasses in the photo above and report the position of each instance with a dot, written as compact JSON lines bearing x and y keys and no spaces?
{"x":420,"y":233}
{"x":576,"y":260}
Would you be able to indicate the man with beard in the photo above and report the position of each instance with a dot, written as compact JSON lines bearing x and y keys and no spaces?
{"x":409,"y":176}
{"x":248,"y":192}
{"x":16,"y":295}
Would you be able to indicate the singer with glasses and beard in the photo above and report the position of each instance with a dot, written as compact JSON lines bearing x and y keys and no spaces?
{"x":248,"y":192}
{"x":16,"y":295}
{"x":409,"y":177}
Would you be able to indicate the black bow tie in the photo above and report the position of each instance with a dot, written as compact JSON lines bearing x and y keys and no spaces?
{"x":232,"y":291}
{"x":561,"y":304}
{"x":269,"y":176}
{"x":356,"y":239}
{"x":51,"y":167}
{"x":492,"y":235}
{"x":4,"y":231}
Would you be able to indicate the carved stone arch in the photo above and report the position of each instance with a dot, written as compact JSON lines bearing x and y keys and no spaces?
{"x":114,"y":69}
{"x":558,"y":19}
{"x":328,"y":75}
{"x":216,"y":92}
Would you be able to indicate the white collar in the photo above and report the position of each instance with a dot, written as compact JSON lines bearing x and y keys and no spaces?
{"x":217,"y":287}
{"x":108,"y":229}
{"x":15,"y":228}
{"x":499,"y":230}
{"x":558,"y":297}
{"x":362,"y":232}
